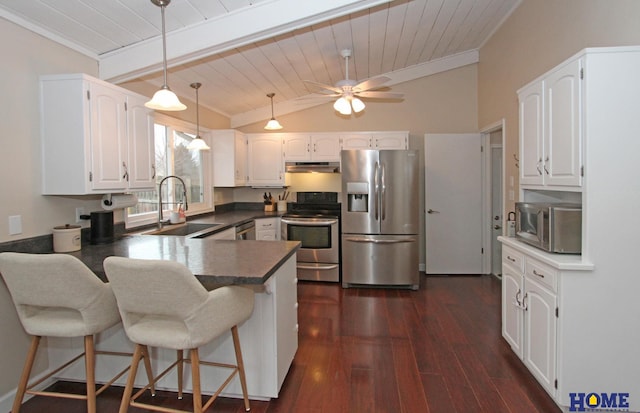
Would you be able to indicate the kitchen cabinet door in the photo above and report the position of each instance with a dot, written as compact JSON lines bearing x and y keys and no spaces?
{"x":265,"y":163}
{"x":109,"y":146}
{"x":512,"y":312}
{"x":562,"y":143}
{"x":356,"y":141}
{"x":531,"y":135}
{"x":325,"y":148}
{"x":390,"y":141}
{"x":229,"y":152}
{"x":296,"y":147}
{"x":540,"y":334}
{"x":267,"y":229}
{"x":142,"y":168}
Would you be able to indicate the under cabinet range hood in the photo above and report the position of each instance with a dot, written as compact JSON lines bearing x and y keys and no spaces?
{"x":320,"y":167}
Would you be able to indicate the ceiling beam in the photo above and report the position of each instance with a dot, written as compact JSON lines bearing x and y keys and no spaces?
{"x":259,"y":22}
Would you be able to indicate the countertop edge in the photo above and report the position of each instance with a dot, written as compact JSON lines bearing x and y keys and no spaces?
{"x":572,"y":262}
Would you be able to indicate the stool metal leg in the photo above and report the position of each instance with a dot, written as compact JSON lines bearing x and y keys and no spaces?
{"x":243,"y":378}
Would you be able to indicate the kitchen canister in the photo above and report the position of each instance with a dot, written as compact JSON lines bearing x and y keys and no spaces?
{"x":66,"y":238}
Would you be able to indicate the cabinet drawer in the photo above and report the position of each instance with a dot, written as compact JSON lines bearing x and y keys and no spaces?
{"x":513,"y":258}
{"x":265,"y":224}
{"x":541,"y":273}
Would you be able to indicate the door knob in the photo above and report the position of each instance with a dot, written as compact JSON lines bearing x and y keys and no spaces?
{"x":497,"y":226}
{"x":431,"y":211}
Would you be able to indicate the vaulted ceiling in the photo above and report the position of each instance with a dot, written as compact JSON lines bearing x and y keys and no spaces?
{"x":240,"y":50}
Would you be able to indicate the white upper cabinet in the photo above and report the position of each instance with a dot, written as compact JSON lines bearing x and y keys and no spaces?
{"x":265,"y":163}
{"x":142,"y":152}
{"x":96,"y":137}
{"x":550,"y":129}
{"x":563,"y":137}
{"x":375,"y":140}
{"x":229,"y":153}
{"x":315,"y":147}
{"x":531,"y":140}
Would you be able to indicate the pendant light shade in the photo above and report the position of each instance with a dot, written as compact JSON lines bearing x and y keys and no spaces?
{"x":164,"y":99}
{"x":197,"y":143}
{"x":273,"y":124}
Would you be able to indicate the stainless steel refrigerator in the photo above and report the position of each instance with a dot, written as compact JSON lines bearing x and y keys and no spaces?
{"x":380,"y":218}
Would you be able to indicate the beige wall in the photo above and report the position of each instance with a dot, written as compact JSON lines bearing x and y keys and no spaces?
{"x":25,"y":56}
{"x":539,"y":35}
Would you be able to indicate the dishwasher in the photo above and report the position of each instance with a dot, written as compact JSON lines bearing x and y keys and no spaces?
{"x":246,"y":231}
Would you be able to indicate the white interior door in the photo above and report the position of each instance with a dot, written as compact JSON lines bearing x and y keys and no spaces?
{"x":453,"y":200}
{"x":496,"y":209}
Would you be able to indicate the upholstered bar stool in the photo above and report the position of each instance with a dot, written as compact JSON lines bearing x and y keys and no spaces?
{"x":162,"y":304}
{"x":56,"y":295}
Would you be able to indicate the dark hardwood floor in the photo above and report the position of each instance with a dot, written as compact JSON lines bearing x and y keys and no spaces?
{"x":435,"y":350}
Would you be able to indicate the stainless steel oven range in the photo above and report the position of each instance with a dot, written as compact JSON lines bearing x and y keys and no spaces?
{"x":314,"y":220}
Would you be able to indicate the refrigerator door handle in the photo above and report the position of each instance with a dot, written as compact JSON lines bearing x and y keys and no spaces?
{"x":383,"y":191}
{"x":376,"y":188}
{"x":317,"y":267}
{"x":379,"y":241}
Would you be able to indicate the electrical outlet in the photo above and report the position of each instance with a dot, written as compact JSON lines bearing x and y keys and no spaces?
{"x":15,"y":224}
{"x":79,"y":211}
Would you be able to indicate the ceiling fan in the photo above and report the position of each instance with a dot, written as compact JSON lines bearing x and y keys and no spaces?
{"x":349,"y":91}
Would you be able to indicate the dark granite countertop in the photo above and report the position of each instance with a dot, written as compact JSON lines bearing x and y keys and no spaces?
{"x":213,"y":262}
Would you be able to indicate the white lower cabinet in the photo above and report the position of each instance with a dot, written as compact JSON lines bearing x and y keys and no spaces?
{"x":529,"y":314}
{"x":268,"y":229}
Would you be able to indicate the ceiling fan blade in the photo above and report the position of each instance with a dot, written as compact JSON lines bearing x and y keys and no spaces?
{"x":319,"y":96}
{"x":371,"y":83}
{"x":323,"y":86}
{"x":380,"y":95}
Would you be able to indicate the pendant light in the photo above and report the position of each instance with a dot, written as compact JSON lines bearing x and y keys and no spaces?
{"x":164,"y":99}
{"x":273,"y":124}
{"x":197,"y":143}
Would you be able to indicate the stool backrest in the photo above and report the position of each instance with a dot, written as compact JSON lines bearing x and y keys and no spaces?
{"x":40,"y":281}
{"x":159,"y":287}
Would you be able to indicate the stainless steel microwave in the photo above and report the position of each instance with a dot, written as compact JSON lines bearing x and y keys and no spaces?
{"x":551,"y":227}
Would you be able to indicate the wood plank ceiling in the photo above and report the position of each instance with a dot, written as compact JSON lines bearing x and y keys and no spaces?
{"x":240,"y":50}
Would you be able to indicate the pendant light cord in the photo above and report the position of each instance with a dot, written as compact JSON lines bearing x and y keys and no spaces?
{"x":164,"y":48}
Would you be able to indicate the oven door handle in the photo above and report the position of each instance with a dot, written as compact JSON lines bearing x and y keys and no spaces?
{"x":309,"y":223}
{"x":317,"y":267}
{"x":379,"y":241}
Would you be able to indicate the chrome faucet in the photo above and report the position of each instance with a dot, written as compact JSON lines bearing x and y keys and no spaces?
{"x":184,"y":195}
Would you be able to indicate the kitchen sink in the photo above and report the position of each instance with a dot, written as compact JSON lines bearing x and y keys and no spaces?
{"x":183,"y":229}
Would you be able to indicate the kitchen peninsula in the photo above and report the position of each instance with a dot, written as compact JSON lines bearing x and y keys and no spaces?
{"x":269,"y":338}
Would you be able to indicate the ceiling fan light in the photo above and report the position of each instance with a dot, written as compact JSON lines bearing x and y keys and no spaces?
{"x":198,"y":144}
{"x":342,"y":105}
{"x":165,"y":99}
{"x":273,"y":124}
{"x":358,"y":105}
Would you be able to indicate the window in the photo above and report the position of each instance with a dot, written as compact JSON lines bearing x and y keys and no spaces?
{"x":173,"y":158}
